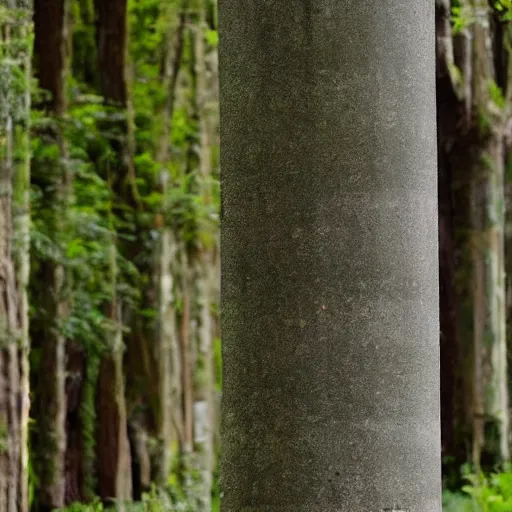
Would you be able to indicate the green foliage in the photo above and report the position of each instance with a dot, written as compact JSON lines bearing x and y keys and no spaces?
{"x":83,"y":240}
{"x":83,"y":64}
{"x":161,"y":500}
{"x":489,"y":493}
{"x":95,"y":506}
{"x":496,"y":94}
{"x":73,"y":228}
{"x":88,"y":228}
{"x":461,"y":17}
{"x":155,"y":500}
{"x":504,"y":7}
{"x":456,"y":502}
{"x":463,"y":14}
{"x":13,"y":57}
{"x":212,"y":38}
{"x":4,"y":436}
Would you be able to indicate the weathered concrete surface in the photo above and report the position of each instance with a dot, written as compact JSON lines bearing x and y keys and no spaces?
{"x":329,"y":256}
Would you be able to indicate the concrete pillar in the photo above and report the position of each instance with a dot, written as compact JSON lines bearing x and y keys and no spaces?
{"x":329,"y":256}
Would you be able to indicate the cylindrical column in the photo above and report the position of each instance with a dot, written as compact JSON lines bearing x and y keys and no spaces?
{"x":329,"y":256}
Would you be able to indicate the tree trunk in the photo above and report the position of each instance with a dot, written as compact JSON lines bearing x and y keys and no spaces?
{"x":491,"y":429}
{"x":168,"y":353}
{"x":186,"y":363}
{"x":455,"y":261}
{"x":111,"y":40}
{"x":204,"y":417}
{"x":51,"y":52}
{"x":114,"y":458}
{"x":114,"y":461}
{"x":330,"y":265}
{"x":168,"y":356}
{"x":15,"y":59}
{"x":21,"y":254}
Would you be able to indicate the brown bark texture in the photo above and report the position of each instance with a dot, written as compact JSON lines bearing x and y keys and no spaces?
{"x":51,"y":23}
{"x":14,"y":125}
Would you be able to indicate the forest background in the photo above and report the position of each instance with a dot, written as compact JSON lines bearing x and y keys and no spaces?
{"x":110,"y":350}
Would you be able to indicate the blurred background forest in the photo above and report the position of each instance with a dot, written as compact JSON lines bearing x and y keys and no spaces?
{"x":110,"y":351}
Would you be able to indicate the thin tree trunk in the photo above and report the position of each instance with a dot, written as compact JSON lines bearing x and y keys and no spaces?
{"x":453,"y":450}
{"x":186,"y":365}
{"x":203,"y":406}
{"x":330,"y":298}
{"x":204,"y":417}
{"x":113,"y":448}
{"x":21,"y":253}
{"x":9,"y":370}
{"x":75,"y":461}
{"x":448,"y":300}
{"x":51,"y":50}
{"x":168,"y":354}
{"x":187,"y":350}
{"x":491,"y":416}
{"x":114,"y":459}
{"x":15,"y":57}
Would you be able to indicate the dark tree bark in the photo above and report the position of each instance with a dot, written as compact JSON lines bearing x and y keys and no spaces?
{"x":51,"y":22}
{"x":76,"y":370}
{"x":111,"y":40}
{"x":51,"y":51}
{"x":451,"y":125}
{"x":113,"y":448}
{"x":330,"y":257}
